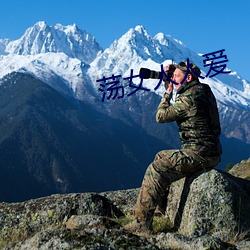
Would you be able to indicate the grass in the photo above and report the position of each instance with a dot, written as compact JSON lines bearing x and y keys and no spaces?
{"x":15,"y":236}
{"x":123,"y":220}
{"x":160,"y":223}
{"x":238,"y":237}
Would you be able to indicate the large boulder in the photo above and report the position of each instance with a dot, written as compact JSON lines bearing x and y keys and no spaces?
{"x":210,"y":202}
{"x":19,"y":221}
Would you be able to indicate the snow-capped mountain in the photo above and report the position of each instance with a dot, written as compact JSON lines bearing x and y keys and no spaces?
{"x":70,"y":60}
{"x":64,"y":73}
{"x":74,"y":56}
{"x":70,"y":40}
{"x":50,"y":137}
{"x":58,"y":55}
{"x":137,"y":49}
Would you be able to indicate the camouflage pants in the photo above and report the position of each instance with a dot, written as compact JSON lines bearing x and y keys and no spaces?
{"x":167,"y":167}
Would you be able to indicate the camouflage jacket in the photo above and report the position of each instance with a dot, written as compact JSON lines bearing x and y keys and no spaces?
{"x":195,"y":111}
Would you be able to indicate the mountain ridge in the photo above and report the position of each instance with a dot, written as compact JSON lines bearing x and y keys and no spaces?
{"x":42,"y":38}
{"x":125,"y":126}
{"x":55,"y":144}
{"x":80,"y":79}
{"x":135,"y":49}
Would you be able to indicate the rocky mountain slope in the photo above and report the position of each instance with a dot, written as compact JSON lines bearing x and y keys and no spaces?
{"x":53,"y":119}
{"x":207,"y":211}
{"x":66,"y":53}
{"x":51,"y":143}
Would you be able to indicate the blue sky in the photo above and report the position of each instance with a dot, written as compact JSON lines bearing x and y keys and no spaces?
{"x":203,"y":25}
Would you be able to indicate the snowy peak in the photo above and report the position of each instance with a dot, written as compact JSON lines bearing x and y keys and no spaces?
{"x":133,"y":48}
{"x":166,"y":40}
{"x":42,"y":38}
{"x":158,"y":48}
{"x":3,"y":44}
{"x":138,"y":32}
{"x":137,"y":46}
{"x":35,"y":40}
{"x":73,"y":55}
{"x":140,"y":43}
{"x":136,"y":49}
{"x":74,"y":31}
{"x":175,"y":49}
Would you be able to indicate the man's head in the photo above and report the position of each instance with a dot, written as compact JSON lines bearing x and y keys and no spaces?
{"x":180,"y":72}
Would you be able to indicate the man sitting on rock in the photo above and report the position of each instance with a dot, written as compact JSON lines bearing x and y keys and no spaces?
{"x":195,"y":111}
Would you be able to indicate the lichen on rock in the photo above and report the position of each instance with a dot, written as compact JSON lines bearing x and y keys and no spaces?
{"x":209,"y":210}
{"x":211,"y":202}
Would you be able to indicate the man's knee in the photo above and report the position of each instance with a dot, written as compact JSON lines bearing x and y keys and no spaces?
{"x":162,"y":154}
{"x":162,"y":160}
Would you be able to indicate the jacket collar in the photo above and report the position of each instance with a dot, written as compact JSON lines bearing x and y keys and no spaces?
{"x":186,"y":86}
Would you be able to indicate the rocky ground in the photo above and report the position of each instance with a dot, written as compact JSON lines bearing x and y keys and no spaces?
{"x":208,"y":211}
{"x":241,"y":169}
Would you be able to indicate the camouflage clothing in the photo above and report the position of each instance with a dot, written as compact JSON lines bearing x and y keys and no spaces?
{"x":196,"y":114}
{"x":195,"y":111}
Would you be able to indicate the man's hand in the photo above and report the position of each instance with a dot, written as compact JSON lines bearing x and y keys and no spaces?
{"x":168,"y":85}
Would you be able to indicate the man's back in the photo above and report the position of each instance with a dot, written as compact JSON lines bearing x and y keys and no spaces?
{"x":196,"y":113}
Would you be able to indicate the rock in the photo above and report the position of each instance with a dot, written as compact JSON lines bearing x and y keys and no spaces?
{"x":212,"y":202}
{"x":243,"y":245}
{"x":85,"y":239}
{"x":209,"y":210}
{"x":178,"y":241}
{"x":124,"y":199}
{"x":241,"y":169}
{"x":90,"y":221}
{"x":20,"y":220}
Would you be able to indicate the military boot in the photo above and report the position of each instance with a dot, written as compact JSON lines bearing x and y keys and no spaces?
{"x":137,"y":226}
